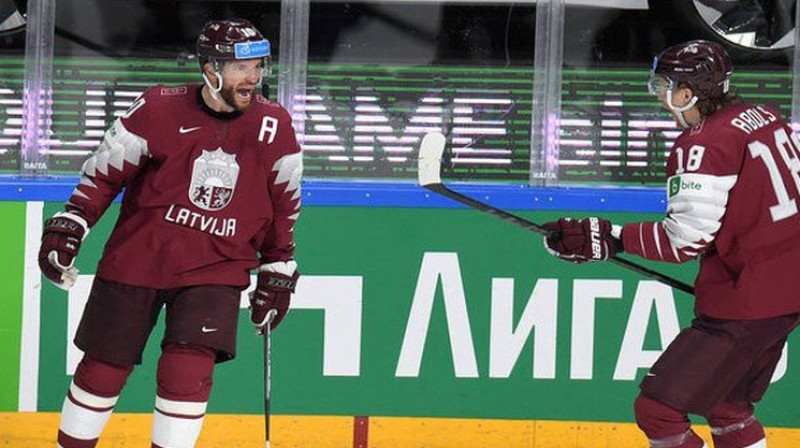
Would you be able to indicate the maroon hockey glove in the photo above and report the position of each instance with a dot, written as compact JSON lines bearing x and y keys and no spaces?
{"x":61,"y":241}
{"x":582,"y":240}
{"x":273,"y":292}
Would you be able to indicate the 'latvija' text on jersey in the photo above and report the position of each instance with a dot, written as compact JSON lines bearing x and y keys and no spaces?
{"x":206,"y":195}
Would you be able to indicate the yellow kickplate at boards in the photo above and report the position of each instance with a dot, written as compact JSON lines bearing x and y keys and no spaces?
{"x":39,"y":429}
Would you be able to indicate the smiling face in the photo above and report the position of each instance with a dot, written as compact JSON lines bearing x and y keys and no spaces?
{"x":239,"y":81}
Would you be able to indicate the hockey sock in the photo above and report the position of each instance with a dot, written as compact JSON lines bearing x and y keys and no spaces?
{"x":733,"y":426}
{"x":746,"y":434}
{"x":91,"y":398}
{"x":184,"y":385}
{"x":664,"y":426}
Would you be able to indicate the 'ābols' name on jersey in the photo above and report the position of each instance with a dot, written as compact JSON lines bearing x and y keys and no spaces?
{"x":209,"y":224}
{"x":753,"y":119}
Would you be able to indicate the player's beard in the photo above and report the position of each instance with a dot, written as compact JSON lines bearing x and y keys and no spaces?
{"x":230,"y":96}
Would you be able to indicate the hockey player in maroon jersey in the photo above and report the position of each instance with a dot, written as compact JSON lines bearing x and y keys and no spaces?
{"x":211,"y":175}
{"x":733,"y":188}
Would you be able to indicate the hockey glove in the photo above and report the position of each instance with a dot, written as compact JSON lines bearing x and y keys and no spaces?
{"x":579,"y":241}
{"x":61,"y":241}
{"x":274,"y":288}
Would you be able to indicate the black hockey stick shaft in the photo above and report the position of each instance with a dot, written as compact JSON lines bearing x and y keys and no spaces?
{"x":443,"y":190}
{"x":486,"y":208}
{"x":267,"y":374}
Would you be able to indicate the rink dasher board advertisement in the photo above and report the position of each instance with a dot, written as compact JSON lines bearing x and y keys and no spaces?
{"x":416,"y":312}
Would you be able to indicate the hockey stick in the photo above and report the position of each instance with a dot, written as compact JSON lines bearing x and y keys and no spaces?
{"x":267,"y":375}
{"x":429,"y":175}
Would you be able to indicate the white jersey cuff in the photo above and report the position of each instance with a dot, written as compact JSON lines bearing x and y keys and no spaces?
{"x":286,"y":268}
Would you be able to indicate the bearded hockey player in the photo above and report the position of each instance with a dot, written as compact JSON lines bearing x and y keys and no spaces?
{"x":211,"y":177}
{"x":733,"y":189}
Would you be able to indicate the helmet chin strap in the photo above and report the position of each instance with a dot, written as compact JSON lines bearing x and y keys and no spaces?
{"x":678,"y":111}
{"x":214,"y":90}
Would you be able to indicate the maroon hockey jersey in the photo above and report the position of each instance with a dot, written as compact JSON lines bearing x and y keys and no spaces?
{"x":206,"y":194}
{"x":733,"y":189}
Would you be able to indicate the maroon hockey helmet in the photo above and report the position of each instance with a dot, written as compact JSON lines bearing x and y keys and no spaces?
{"x":231,"y":39}
{"x":705,"y":66}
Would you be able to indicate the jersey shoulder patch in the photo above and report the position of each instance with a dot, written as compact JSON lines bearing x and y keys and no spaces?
{"x":174,"y":91}
{"x":160,"y":97}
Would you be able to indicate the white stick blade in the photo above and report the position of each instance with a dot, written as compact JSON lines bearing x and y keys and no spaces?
{"x":430,"y":158}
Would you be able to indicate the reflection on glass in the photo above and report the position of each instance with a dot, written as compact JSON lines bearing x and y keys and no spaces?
{"x":612,"y":131}
{"x":382,"y":73}
{"x":767,"y":25}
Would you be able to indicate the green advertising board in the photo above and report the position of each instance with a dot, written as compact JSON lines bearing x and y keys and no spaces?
{"x":12,"y":240}
{"x":422,"y":312}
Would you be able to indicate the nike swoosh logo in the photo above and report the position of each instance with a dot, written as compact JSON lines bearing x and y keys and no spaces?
{"x":208,"y":330}
{"x":183,"y":130}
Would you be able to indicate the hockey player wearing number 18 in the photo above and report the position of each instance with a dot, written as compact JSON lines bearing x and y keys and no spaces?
{"x":733,"y":189}
{"x":211,"y":175}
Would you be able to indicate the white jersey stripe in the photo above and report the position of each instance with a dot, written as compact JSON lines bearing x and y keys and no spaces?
{"x":188,"y":408}
{"x":641,"y":240}
{"x":658,"y":240}
{"x":173,"y":432}
{"x":79,"y":193}
{"x":82,"y":423}
{"x":675,"y":253}
{"x":90,"y":399}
